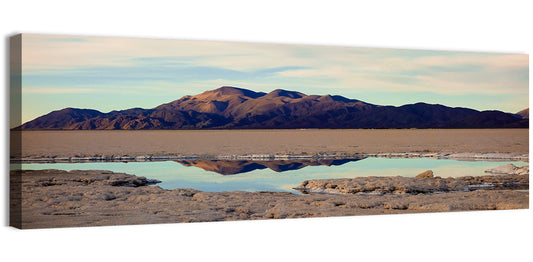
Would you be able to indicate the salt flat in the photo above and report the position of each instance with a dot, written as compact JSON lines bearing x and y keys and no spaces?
{"x":25,"y":144}
{"x":57,"y":198}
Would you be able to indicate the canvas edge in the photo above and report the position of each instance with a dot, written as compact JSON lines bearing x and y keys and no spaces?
{"x":15,"y":117}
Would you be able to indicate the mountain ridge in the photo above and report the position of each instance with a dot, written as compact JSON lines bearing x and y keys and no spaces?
{"x":524,"y":113}
{"x":237,"y":108}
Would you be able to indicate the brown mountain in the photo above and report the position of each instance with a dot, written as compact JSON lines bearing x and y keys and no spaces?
{"x":524,"y":113}
{"x":236,"y":108}
{"x":231,"y":167}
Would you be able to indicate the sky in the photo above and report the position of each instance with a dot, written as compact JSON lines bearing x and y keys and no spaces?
{"x":108,"y":73}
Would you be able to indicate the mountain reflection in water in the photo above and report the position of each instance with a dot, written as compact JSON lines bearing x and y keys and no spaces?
{"x":232,"y":167}
{"x":274,"y":175}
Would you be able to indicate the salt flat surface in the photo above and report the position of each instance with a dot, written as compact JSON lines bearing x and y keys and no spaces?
{"x":38,"y":144}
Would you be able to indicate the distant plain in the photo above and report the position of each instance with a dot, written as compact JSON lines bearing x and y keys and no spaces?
{"x":243,"y":142}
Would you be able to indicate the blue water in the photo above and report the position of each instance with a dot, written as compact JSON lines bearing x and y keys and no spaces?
{"x":175,"y":175}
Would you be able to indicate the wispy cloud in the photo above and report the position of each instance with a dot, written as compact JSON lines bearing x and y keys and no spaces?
{"x":52,"y":90}
{"x":455,"y":73}
{"x":66,"y":39}
{"x":168,"y":69}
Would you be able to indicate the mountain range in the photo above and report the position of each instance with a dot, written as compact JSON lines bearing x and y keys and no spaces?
{"x":237,"y":108}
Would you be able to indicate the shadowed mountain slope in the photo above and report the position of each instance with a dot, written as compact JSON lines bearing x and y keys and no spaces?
{"x":237,"y":108}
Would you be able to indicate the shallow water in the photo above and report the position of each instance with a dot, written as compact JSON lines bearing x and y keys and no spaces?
{"x":261,"y":175}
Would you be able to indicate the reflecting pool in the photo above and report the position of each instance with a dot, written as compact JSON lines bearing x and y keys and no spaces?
{"x":275,"y":175}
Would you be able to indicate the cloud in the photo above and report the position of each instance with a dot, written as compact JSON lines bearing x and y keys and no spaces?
{"x":41,"y":53}
{"x":144,"y":67}
{"x":66,"y":39}
{"x":53,"y":90}
{"x":448,"y":73}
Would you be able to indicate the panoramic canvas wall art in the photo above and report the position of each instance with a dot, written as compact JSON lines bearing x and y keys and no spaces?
{"x":122,"y":131}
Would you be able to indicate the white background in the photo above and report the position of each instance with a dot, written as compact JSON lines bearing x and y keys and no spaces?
{"x":501,"y":26}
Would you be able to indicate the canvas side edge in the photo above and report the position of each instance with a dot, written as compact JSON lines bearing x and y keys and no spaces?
{"x":15,"y":119}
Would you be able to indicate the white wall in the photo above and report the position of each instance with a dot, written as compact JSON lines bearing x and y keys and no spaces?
{"x":443,"y":25}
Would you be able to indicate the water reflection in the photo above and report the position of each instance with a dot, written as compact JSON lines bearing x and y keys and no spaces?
{"x":225,"y":167}
{"x":275,"y":175}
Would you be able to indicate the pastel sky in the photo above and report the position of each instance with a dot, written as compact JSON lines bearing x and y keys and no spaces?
{"x":106,"y":73}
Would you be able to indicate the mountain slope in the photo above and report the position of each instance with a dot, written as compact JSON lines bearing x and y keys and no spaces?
{"x":237,"y":108}
{"x":62,"y":118}
{"x":524,"y":113}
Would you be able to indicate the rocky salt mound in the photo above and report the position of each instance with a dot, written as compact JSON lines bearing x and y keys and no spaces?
{"x":53,"y":177}
{"x":509,"y":169}
{"x":56,"y":198}
{"x":509,"y":177}
{"x":383,"y":185}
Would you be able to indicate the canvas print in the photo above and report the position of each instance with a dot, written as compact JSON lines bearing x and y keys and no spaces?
{"x":122,"y":131}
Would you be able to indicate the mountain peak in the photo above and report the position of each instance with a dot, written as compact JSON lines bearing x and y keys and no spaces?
{"x":230,"y":90}
{"x":286,"y":93}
